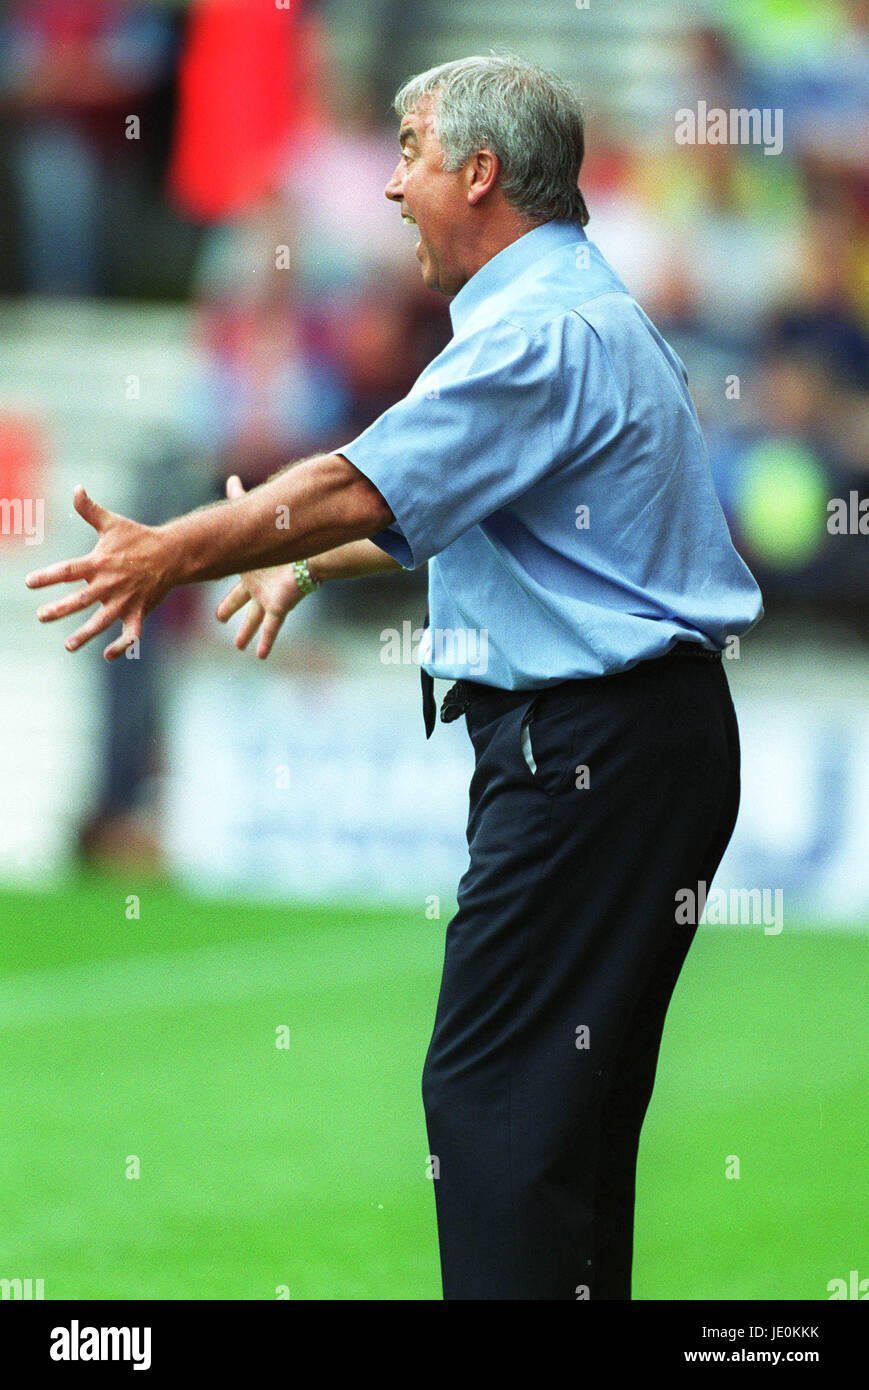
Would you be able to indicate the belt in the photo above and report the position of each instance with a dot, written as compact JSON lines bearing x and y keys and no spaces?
{"x":460,"y":696}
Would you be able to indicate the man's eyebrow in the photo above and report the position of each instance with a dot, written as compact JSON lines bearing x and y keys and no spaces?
{"x":407,"y":134}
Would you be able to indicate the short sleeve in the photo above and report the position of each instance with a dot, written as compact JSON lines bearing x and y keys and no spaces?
{"x":473,"y":433}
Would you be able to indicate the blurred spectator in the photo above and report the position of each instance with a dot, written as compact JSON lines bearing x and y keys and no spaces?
{"x":265,"y":392}
{"x":738,"y":215}
{"x":70,"y":76}
{"x":821,"y":313}
{"x":345,"y":230}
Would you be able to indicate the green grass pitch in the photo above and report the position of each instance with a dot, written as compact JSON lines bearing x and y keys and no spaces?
{"x":153,"y":1039}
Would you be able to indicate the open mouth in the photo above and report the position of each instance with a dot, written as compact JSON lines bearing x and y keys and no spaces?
{"x":411,"y":222}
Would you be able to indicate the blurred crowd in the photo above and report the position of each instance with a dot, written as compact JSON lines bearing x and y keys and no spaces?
{"x":253,"y":185}
{"x":760,"y":279}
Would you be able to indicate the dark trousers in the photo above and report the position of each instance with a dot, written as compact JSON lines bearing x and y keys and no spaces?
{"x":560,"y":964}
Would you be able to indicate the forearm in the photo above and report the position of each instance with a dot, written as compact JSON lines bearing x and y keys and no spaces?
{"x":356,"y":560}
{"x":310,"y":509}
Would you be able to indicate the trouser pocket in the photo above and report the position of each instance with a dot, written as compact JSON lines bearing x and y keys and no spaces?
{"x":548,"y":739}
{"x":525,"y":737}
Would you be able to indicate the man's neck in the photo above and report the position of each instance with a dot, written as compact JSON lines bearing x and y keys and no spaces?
{"x":500,"y":233}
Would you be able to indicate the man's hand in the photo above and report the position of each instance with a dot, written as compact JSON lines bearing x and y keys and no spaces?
{"x":272,"y":593}
{"x":133,"y":567}
{"x":127,"y":573}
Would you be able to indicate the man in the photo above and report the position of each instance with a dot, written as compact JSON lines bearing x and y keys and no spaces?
{"x":550,"y":465}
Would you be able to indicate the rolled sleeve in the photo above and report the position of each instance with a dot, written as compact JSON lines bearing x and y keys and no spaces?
{"x":473,"y":433}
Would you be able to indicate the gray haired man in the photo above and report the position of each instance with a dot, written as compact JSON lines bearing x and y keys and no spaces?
{"x":550,"y":467}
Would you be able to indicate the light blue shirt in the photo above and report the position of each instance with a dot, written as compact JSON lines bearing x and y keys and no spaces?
{"x":550,"y":464}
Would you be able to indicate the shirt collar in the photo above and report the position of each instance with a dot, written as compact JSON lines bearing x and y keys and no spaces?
{"x":509,"y":264}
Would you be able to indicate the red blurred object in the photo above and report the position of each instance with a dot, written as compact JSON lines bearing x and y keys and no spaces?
{"x":23,"y":452}
{"x":244,"y":95}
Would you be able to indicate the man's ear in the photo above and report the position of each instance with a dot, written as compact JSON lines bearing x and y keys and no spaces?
{"x":481,"y":175}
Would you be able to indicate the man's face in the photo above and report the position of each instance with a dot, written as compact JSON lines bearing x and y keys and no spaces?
{"x":436,"y":201}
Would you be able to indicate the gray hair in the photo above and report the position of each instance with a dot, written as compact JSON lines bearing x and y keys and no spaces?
{"x":529,"y":118}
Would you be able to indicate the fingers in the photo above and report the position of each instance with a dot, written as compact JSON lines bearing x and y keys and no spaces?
{"x":132,"y":631}
{"x":65,"y":572}
{"x":233,"y":487}
{"x":68,"y":571}
{"x":252,"y":619}
{"x":90,"y":510}
{"x":230,"y":604}
{"x":103,"y":618}
{"x":50,"y":612}
{"x":271,"y":628}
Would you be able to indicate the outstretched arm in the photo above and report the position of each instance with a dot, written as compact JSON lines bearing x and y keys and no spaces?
{"x":305,"y":510}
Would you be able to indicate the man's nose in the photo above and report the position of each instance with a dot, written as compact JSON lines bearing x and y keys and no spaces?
{"x":393,"y":189}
